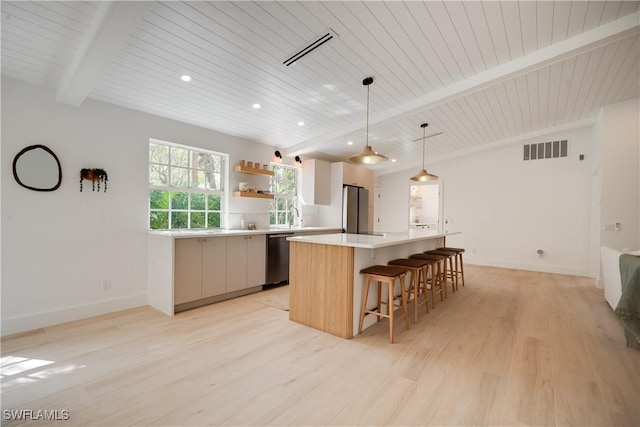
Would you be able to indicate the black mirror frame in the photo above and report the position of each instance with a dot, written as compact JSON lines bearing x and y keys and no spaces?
{"x":48,"y":150}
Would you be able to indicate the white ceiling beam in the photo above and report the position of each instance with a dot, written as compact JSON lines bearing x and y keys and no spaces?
{"x":109,"y":28}
{"x":599,"y":36}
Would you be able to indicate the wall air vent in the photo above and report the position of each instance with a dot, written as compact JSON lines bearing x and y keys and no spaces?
{"x":310,"y":47}
{"x":545,"y":150}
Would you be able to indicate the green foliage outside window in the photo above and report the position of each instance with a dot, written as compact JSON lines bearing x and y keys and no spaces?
{"x":186,"y":210}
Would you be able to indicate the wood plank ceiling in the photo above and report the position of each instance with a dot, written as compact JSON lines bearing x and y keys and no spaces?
{"x":481,"y":72}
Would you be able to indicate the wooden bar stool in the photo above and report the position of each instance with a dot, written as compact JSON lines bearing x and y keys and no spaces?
{"x":451,"y":273}
{"x":418,"y":283}
{"x":433,"y":280}
{"x":459,"y":266}
{"x":385,"y":274}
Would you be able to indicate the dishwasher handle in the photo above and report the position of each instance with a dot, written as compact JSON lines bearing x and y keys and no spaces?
{"x":280,"y":235}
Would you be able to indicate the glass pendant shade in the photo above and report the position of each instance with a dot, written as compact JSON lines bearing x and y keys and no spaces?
{"x":423,"y":175}
{"x":367,"y":156}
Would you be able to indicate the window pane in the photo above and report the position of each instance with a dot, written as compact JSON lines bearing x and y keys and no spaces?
{"x":214,"y":220}
{"x":213,"y":203}
{"x":197,"y":179}
{"x":179,"y":157}
{"x":159,"y":220}
{"x":180,"y":201}
{"x":282,"y":218}
{"x":158,"y":174}
{"x":179,"y":219}
{"x":158,"y":153}
{"x":197,"y":219}
{"x":214,"y":181}
{"x":158,"y":199}
{"x":197,"y":201}
{"x":179,"y":177}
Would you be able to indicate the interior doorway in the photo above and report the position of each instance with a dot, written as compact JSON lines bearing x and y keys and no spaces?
{"x":425,"y":206}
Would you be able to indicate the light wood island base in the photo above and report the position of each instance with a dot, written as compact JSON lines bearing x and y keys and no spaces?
{"x":322,"y":297}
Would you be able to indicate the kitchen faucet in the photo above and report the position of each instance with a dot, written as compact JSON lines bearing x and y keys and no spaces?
{"x":293,"y":213}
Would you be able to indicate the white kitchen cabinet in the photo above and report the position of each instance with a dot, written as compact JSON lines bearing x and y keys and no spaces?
{"x":200,"y":268}
{"x":188,"y":270}
{"x":316,"y":182}
{"x":256,"y":256}
{"x":214,"y":266}
{"x":358,"y":175}
{"x":245,"y":262}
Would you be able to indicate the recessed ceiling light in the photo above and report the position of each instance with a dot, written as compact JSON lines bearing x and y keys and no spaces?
{"x":350,"y":143}
{"x":300,"y":123}
{"x":256,"y":106}
{"x":393,"y":160}
{"x":185,"y":78}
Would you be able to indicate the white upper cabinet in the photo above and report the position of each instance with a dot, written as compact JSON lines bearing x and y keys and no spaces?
{"x":316,"y":182}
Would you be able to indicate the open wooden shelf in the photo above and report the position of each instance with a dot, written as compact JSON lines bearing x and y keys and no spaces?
{"x":253,"y":171}
{"x":252,"y":194}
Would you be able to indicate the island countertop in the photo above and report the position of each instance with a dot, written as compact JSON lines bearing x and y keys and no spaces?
{"x":371,"y":241}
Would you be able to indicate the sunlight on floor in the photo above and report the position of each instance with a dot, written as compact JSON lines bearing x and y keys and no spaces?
{"x":15,"y":370}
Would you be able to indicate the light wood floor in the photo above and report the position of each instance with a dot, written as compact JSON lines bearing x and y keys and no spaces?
{"x":511,"y":348}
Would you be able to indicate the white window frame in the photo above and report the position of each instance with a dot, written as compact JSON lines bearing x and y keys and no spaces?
{"x":222,"y":192}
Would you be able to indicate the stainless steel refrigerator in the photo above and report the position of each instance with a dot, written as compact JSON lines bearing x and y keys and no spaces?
{"x":355,"y":209}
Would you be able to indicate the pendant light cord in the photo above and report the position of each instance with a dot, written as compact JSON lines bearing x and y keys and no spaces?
{"x":367,"y":136}
{"x":424,"y":130}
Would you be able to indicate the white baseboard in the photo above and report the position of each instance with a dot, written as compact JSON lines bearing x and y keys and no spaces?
{"x":33,"y":321}
{"x":556,"y":269}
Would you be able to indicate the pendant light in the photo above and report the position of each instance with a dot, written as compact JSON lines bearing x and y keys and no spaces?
{"x":423,"y":175}
{"x":367,"y":156}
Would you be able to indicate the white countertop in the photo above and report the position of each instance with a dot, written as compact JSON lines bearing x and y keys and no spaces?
{"x":222,"y":232}
{"x":370,"y":241}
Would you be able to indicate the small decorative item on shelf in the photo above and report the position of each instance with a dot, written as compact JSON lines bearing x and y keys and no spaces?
{"x":241,"y":163}
{"x":94,"y":175}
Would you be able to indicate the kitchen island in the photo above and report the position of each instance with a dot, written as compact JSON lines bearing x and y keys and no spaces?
{"x":325,"y":285}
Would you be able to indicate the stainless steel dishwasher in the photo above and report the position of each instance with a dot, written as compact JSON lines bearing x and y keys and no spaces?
{"x":277,"y":258}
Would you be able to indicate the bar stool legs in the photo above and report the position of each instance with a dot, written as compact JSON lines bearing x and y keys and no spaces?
{"x":388,"y":275}
{"x":450,"y":274}
{"x":459,"y":263}
{"x":417,"y":284}
{"x":438,"y":273}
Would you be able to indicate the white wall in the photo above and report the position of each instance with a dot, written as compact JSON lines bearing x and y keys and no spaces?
{"x":507,"y":208}
{"x":619,"y":127}
{"x":58,"y":247}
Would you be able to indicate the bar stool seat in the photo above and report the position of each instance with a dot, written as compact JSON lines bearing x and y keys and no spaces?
{"x":385,"y":274}
{"x":434,"y":280}
{"x":418,"y":284}
{"x":460,"y":266}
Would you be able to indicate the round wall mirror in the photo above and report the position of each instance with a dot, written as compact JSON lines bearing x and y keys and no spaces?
{"x":37,"y":168}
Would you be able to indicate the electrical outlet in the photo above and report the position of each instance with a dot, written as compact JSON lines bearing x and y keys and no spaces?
{"x":617,"y":226}
{"x":106,"y":284}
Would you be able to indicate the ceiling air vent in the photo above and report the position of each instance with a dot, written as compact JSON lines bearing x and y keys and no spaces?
{"x":310,"y":47}
{"x":545,"y":150}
